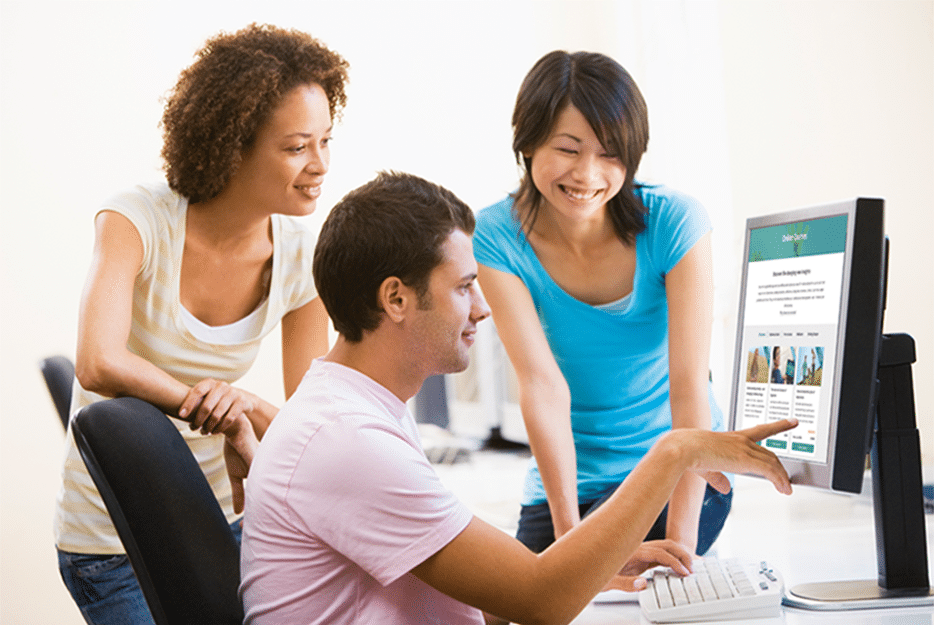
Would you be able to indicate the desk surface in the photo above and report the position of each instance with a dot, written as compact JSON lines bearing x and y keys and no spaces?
{"x":811,"y":536}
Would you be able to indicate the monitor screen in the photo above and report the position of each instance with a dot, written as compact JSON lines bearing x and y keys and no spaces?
{"x":809,"y":326}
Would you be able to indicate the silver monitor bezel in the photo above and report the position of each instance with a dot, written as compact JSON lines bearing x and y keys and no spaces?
{"x":803,"y":472}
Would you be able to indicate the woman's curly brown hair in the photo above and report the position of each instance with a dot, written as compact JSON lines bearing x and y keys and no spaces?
{"x":219,"y":103}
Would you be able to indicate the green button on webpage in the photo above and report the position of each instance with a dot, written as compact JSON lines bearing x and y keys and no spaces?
{"x":776,"y":444}
{"x":802,"y":447}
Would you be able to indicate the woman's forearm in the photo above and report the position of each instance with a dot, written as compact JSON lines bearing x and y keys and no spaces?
{"x":261,"y":416}
{"x":684,"y":510}
{"x":128,"y":375}
{"x":689,"y":409}
{"x":548,"y":424}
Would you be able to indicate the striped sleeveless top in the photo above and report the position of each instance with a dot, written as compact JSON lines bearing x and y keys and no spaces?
{"x":159,"y":334}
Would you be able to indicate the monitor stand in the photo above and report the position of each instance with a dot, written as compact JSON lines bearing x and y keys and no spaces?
{"x":901,"y":545}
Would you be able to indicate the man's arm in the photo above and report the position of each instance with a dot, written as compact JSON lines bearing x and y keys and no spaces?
{"x":490,"y":570}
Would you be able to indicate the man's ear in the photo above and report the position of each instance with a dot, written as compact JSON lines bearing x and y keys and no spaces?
{"x":395,"y":298}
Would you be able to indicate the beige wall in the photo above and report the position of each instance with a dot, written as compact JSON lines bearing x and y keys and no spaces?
{"x":825,"y":99}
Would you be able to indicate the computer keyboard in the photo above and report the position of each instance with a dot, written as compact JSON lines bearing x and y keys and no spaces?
{"x":717,"y":590}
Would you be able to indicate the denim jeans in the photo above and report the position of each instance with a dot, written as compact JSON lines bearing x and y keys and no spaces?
{"x":537,"y":532}
{"x":105,"y":588}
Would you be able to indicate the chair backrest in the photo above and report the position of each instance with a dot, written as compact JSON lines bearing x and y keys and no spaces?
{"x":180,"y":545}
{"x":59,"y":374}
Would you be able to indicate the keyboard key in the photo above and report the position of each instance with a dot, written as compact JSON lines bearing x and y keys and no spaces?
{"x":692,"y":588}
{"x":677,"y":591}
{"x":746,"y":590}
{"x":721,"y":586}
{"x":706,"y":588}
{"x":662,"y":593}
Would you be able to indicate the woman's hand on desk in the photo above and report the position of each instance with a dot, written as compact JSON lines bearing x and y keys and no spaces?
{"x":650,"y":554}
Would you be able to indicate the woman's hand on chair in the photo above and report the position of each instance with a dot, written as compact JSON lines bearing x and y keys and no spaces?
{"x":215,"y":406}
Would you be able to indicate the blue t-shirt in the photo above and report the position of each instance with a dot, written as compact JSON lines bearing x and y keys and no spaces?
{"x":615,"y":359}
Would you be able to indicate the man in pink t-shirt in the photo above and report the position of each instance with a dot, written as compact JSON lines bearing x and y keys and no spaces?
{"x":347,"y":522}
{"x":342,"y":505}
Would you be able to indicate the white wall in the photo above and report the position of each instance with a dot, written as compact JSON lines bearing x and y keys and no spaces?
{"x":823,"y":99}
{"x":834,"y":99}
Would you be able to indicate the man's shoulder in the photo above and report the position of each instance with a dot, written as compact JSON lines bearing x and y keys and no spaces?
{"x":339,"y":400}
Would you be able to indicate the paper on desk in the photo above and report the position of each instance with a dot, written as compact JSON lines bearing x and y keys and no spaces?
{"x":616,"y":596}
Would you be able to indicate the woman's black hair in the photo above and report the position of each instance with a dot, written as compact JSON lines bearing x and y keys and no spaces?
{"x":608,"y":98}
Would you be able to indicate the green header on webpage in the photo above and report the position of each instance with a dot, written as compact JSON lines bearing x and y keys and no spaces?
{"x":805,"y":238}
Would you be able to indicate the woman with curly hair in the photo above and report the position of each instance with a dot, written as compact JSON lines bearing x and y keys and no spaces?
{"x":188,"y":277}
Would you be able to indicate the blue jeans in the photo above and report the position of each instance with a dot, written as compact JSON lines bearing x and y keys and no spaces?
{"x":536,"y":530}
{"x":105,"y":587}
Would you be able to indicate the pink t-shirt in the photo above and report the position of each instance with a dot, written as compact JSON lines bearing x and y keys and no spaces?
{"x":341,"y":504}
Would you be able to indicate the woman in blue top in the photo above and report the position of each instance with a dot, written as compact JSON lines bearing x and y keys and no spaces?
{"x":601,"y":290}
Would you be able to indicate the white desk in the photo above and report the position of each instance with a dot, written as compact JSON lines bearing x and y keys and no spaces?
{"x":811,"y":536}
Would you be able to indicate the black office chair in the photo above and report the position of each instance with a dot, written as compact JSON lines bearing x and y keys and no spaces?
{"x":179,"y":543}
{"x":59,"y":374}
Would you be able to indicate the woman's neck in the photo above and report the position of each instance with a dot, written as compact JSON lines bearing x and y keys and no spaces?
{"x":585,"y":258}
{"x":578,"y":237}
{"x":224,"y":224}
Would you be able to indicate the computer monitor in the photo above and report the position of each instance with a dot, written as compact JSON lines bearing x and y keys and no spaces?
{"x":810,"y":346}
